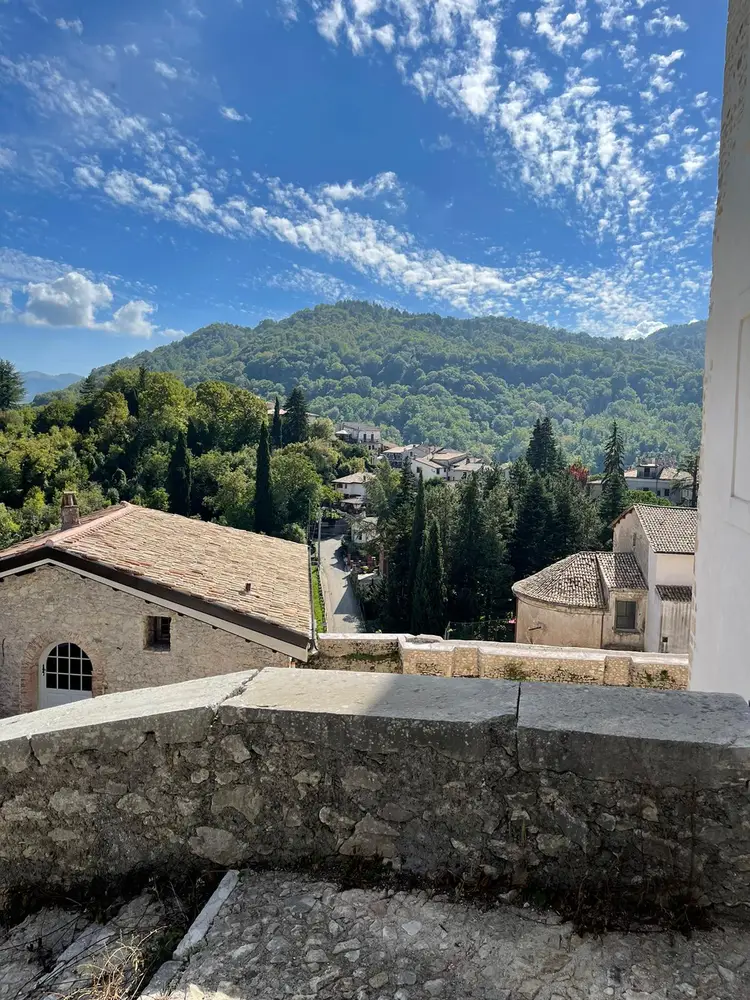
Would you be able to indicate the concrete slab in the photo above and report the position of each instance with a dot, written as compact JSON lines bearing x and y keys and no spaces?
{"x":176,"y":713}
{"x":197,"y":931}
{"x":664,"y":738}
{"x":380,"y":712}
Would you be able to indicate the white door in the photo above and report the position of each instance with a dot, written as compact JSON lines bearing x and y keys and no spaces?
{"x":64,"y":676}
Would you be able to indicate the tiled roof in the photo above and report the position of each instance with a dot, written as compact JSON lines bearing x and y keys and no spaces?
{"x":573,"y":581}
{"x":356,"y":478}
{"x":576,"y":581}
{"x":679,"y":594}
{"x":194,"y":560}
{"x":620,"y":571}
{"x":360,"y":427}
{"x":668,"y":529}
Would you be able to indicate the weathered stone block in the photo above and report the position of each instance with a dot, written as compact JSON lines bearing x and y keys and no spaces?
{"x":674,"y":738}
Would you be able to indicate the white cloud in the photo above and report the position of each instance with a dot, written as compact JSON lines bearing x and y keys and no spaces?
{"x":305,"y":279}
{"x":380,"y":184}
{"x":559,"y":29}
{"x":664,"y":23}
{"x":131,"y":49}
{"x":232,"y":114}
{"x":165,"y":70}
{"x":75,"y":25}
{"x":7,"y":158}
{"x":73,"y":301}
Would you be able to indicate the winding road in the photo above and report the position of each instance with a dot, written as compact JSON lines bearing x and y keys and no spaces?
{"x":342,"y":608}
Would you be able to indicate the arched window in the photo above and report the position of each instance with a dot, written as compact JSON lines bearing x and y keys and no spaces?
{"x":67,"y":668}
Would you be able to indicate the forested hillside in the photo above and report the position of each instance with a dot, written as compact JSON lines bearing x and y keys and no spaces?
{"x":475,"y":383}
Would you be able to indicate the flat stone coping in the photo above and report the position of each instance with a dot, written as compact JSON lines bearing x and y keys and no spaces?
{"x":659,"y":737}
{"x":379,"y":711}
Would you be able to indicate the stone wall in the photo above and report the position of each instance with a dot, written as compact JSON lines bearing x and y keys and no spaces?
{"x":409,"y":654}
{"x":52,"y":605}
{"x":561,"y":789}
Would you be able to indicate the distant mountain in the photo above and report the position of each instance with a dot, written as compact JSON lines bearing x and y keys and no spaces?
{"x":37,"y":382}
{"x":683,"y":337}
{"x":474,"y":383}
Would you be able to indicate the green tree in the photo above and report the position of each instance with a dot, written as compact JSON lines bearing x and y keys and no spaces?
{"x":263,"y":503}
{"x":179,"y":477}
{"x":295,"y":419}
{"x":12,"y":389}
{"x":428,"y":603}
{"x":296,"y":489}
{"x":543,"y":454}
{"x":614,"y":498}
{"x":276,"y":428}
{"x":690,"y":463}
{"x":417,"y":536}
{"x":530,"y":547}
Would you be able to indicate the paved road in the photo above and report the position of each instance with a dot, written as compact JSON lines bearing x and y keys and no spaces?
{"x":342,"y":607}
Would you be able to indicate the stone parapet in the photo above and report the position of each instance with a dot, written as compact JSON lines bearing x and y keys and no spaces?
{"x":436,"y":657}
{"x":560,"y":788}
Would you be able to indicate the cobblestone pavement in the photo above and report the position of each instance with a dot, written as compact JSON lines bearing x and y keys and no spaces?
{"x":280,"y":936}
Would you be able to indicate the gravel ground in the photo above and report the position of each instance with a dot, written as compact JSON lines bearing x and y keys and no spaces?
{"x":282,"y":936}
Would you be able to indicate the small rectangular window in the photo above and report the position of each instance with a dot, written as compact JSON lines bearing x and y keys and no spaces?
{"x":158,"y":633}
{"x":625,"y":616}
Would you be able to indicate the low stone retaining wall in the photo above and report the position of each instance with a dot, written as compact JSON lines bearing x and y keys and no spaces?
{"x":616,"y":794}
{"x":409,"y":654}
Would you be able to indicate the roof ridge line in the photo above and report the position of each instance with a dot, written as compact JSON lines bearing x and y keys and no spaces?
{"x":89,"y":527}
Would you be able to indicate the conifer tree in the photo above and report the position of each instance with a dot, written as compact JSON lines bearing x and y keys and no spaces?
{"x":179,"y":477}
{"x":530,"y":549}
{"x":428,"y":603}
{"x":417,"y":535}
{"x":397,"y":537}
{"x":467,"y":555}
{"x":276,"y":430}
{"x":543,"y":454}
{"x":614,"y":498}
{"x":88,"y":388}
{"x":295,"y":422}
{"x":12,"y":389}
{"x":263,"y":504}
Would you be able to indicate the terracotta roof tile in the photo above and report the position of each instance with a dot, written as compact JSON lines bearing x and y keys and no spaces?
{"x":620,"y":571}
{"x":573,"y":581}
{"x":194,"y":558}
{"x":679,"y":594}
{"x":668,"y":529}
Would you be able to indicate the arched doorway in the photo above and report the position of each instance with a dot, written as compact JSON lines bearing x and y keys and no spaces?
{"x":65,"y":675}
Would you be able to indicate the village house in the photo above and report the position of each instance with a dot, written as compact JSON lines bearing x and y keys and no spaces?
{"x":131,"y":597}
{"x":354,"y":486}
{"x":637,"y":597}
{"x":664,"y":481}
{"x":365,"y":435}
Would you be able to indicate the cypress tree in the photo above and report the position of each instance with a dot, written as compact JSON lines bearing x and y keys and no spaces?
{"x":295,"y":421}
{"x":530,"y":547}
{"x":179,"y":477}
{"x":428,"y":604}
{"x":276,"y":440}
{"x":543,"y":454}
{"x":12,"y":389}
{"x":417,"y":536}
{"x":614,"y":498}
{"x":263,"y":504}
{"x":467,"y":554}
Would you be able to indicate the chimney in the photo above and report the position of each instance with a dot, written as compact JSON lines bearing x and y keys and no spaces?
{"x":70,"y":516}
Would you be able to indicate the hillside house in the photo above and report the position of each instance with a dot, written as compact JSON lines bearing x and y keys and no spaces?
{"x":663,"y":481}
{"x":637,"y":597}
{"x":131,"y":597}
{"x":397,"y":454}
{"x":354,"y":486}
{"x":366,"y":435}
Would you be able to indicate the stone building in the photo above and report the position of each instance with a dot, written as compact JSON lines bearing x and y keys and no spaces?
{"x":637,"y":597}
{"x":130,"y":597}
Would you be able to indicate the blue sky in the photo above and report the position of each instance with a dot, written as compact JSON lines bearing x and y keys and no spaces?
{"x":166,"y":165}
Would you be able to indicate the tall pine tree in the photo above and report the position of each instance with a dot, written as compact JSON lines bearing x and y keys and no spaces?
{"x":263,"y":512}
{"x":530,"y":542}
{"x":12,"y":389}
{"x":276,"y":430}
{"x":614,"y":498}
{"x":428,"y":601}
{"x":295,"y":420}
{"x":465,"y":593}
{"x":543,"y":455}
{"x":417,"y":535}
{"x":396,"y":532}
{"x":179,"y":478}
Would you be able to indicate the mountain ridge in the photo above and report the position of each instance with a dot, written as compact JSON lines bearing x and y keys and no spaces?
{"x":478,"y":382}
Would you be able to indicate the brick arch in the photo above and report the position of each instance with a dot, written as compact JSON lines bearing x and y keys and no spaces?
{"x":41,"y":644}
